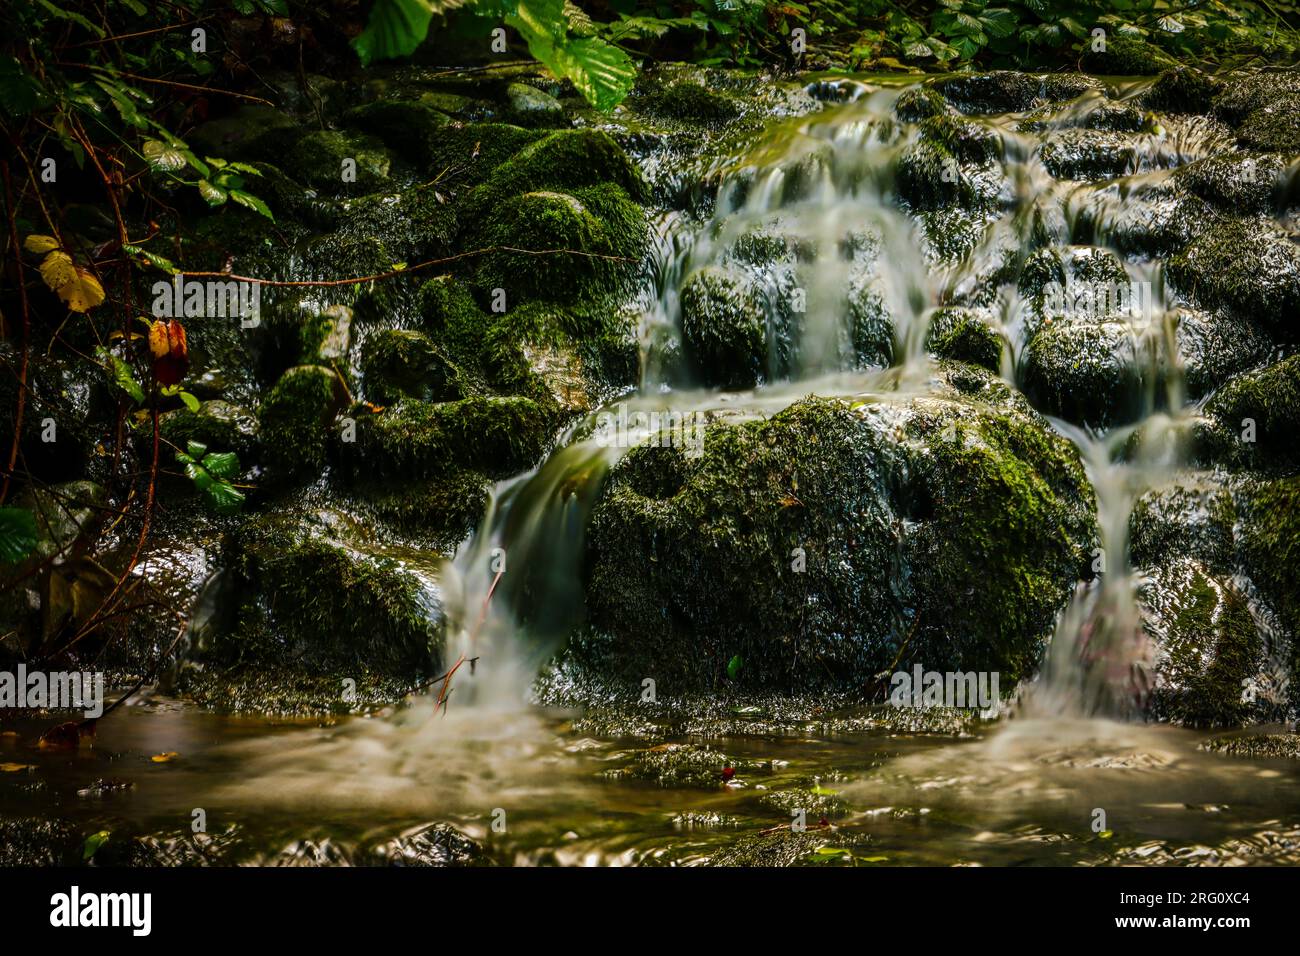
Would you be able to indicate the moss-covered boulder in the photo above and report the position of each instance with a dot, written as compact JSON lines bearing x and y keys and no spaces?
{"x":407,"y":126}
{"x":1208,"y":646}
{"x":1189,"y":518}
{"x":1237,"y":183}
{"x":1086,"y":371}
{"x":1182,"y":89}
{"x":298,"y":603}
{"x":1261,"y":411}
{"x":1270,"y":547}
{"x":497,"y":436}
{"x":401,"y":363}
{"x":1090,"y":154}
{"x":295,"y":421}
{"x":724,"y":327}
{"x":338,"y":163}
{"x":217,"y":424}
{"x":1006,"y":91}
{"x":965,"y":335}
{"x":561,"y":246}
{"x":834,"y":538}
{"x":1262,"y":106}
{"x":1127,"y":56}
{"x":951,"y":161}
{"x":687,"y":102}
{"x":1249,"y":266}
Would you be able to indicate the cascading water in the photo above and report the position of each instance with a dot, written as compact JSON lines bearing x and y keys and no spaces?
{"x":825,"y":190}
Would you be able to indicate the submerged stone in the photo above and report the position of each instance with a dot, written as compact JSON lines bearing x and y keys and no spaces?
{"x":724,"y":327}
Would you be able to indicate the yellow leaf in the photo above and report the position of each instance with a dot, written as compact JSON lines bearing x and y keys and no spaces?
{"x":40,"y":244}
{"x":83,"y":294}
{"x":58,"y":271}
{"x":167,"y":757}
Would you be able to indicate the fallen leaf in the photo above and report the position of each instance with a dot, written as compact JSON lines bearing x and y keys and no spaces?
{"x":167,"y":757}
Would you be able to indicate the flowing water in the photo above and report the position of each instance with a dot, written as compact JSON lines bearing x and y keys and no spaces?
{"x":474,"y":751}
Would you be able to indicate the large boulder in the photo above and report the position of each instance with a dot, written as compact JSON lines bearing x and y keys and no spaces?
{"x":838,"y":537}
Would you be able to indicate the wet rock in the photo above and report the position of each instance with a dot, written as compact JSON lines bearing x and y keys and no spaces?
{"x":1270,"y":544}
{"x":1011,"y":92}
{"x":39,"y":842}
{"x":496,"y":435}
{"x":529,"y":100}
{"x":1086,"y":371}
{"x":724,"y":327}
{"x":251,"y":132}
{"x":1256,"y":746}
{"x":1140,"y":217}
{"x":406,"y":126}
{"x":1262,"y":412}
{"x":918,"y":103}
{"x":1236,"y":183}
{"x":686,"y":765}
{"x":1208,"y":646}
{"x":217,"y":424}
{"x":561,"y":247}
{"x":1090,"y":154}
{"x":327,"y":160}
{"x":1190,"y":518}
{"x":965,"y":335}
{"x":842,"y":531}
{"x":784,"y":847}
{"x":1262,"y":105}
{"x":400,"y":363}
{"x":1249,"y":266}
{"x":434,"y":844}
{"x":1127,"y":56}
{"x":1182,"y":89}
{"x":688,"y":102}
{"x":952,"y":162}
{"x":295,"y":420}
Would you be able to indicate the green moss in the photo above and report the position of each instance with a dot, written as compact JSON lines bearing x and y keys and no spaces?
{"x":562,"y":161}
{"x":917,"y":103}
{"x":435,"y":513}
{"x":1087,"y":372}
{"x":592,"y":240}
{"x":1271,"y":549}
{"x":724,"y":327}
{"x":1210,"y":647}
{"x":217,"y":424}
{"x":307,"y":604}
{"x":1272,"y":129}
{"x":318,"y":160}
{"x":951,"y":162}
{"x":407,"y":126}
{"x":1183,"y":89}
{"x":1271,"y":398}
{"x":965,"y":337}
{"x":497,"y":436}
{"x":294,"y":421}
{"x":1127,"y":56}
{"x":469,"y":154}
{"x":689,"y":102}
{"x":815,"y":542}
{"x":1008,"y":91}
{"x":400,"y":363}
{"x":1090,"y":154}
{"x":1184,"y":520}
{"x":1249,"y":266}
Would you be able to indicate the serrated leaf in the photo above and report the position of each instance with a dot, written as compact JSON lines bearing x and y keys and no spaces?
{"x":58,"y":271}
{"x":17,"y":534}
{"x":222,"y":464}
{"x":196,"y":449}
{"x":252,"y":202}
{"x":153,"y":259}
{"x":224,"y":497}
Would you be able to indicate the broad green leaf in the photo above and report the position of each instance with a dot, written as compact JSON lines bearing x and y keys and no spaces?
{"x":196,"y":449}
{"x":163,"y":158}
{"x":252,"y":202}
{"x":734,"y":665}
{"x":397,"y":27}
{"x":153,"y":259}
{"x":122,"y":376}
{"x":212,"y":195}
{"x":93,"y":843}
{"x":190,"y":401}
{"x":222,"y":464}
{"x":999,"y":21}
{"x":601,"y":72}
{"x":224,"y":497}
{"x":17,"y":534}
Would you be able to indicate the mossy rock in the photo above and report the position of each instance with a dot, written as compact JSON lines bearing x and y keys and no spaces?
{"x":1270,"y":545}
{"x":1090,"y":154}
{"x":1209,"y":647}
{"x":1008,"y":91}
{"x":217,"y":424}
{"x":1237,"y":183}
{"x":965,"y":336}
{"x":724,"y":327}
{"x":1088,"y":372}
{"x":401,"y":363}
{"x":406,"y":126}
{"x":1262,"y":105}
{"x":473,"y":152}
{"x":1182,"y":89}
{"x":688,"y":102}
{"x":559,"y":162}
{"x":917,"y":103}
{"x":319,"y":158}
{"x":563,"y":247}
{"x":1248,"y":266}
{"x":1270,"y":398}
{"x":1127,"y":56}
{"x":950,"y":163}
{"x":815,"y":543}
{"x":305,"y":602}
{"x":252,"y":132}
{"x":431,"y":513}
{"x":295,"y":420}
{"x":1185,"y":519}
{"x":1273,"y":128}
{"x":497,"y":436}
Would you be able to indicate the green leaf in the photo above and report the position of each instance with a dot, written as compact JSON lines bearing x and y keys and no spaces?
{"x":212,"y":195}
{"x":224,"y":497}
{"x":17,"y":534}
{"x":153,"y":259}
{"x":601,"y":72}
{"x":190,"y":401}
{"x":196,"y":449}
{"x":19,"y":91}
{"x":222,"y":464}
{"x":93,"y":843}
{"x":252,"y":202}
{"x":163,"y":158}
{"x":734,"y":665}
{"x":999,"y":22}
{"x":397,"y":27}
{"x":122,"y":376}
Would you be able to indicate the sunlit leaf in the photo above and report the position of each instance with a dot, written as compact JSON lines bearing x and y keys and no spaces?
{"x":17,"y":534}
{"x":40,"y":244}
